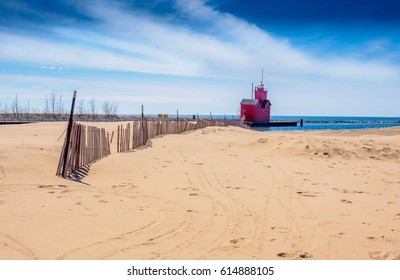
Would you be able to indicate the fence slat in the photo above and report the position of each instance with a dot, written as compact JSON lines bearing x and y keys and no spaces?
{"x":143,"y":129}
{"x":86,"y":145}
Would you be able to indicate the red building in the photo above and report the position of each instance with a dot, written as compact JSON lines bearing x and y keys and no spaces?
{"x":257,"y":110}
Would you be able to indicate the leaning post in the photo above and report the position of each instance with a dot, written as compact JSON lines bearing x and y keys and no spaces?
{"x":142,"y":127}
{"x":68,"y":136}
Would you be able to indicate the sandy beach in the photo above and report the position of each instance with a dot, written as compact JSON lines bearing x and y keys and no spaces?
{"x":214,"y":193}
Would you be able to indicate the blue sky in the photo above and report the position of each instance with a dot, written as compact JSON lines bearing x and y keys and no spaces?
{"x":328,"y":57}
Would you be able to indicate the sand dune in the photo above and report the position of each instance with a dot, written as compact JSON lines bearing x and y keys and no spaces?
{"x":215,"y":193}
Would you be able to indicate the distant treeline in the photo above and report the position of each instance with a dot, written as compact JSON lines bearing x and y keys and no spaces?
{"x":41,"y":117}
{"x":54,"y":108}
{"x":24,"y":117}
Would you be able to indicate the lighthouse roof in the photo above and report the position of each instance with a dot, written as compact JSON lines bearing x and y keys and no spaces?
{"x":249,"y":102}
{"x":260,"y":86}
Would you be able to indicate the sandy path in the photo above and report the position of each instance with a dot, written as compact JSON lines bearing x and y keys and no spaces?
{"x":216,"y":193}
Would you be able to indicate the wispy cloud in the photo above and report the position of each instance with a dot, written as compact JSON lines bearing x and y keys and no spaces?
{"x":129,"y":41}
{"x":197,"y":42}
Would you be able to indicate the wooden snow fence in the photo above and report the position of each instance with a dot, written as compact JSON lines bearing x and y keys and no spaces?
{"x":136,"y":135}
{"x":86,"y":145}
{"x":202,"y":123}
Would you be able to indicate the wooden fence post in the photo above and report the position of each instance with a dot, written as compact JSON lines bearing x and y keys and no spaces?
{"x":68,"y":136}
{"x":118,"y":140}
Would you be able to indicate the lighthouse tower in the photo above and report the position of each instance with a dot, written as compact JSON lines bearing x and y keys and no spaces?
{"x":263,"y":110}
{"x":257,"y":110}
{"x":260,"y":92}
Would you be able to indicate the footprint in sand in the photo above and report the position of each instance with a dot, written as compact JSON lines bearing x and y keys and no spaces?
{"x":45,"y":186}
{"x":281,"y":229}
{"x":305,"y":255}
{"x":347,"y":191}
{"x":301,"y":173}
{"x":376,"y":237}
{"x":193,"y":194}
{"x":51,"y":186}
{"x":103,"y":201}
{"x":309,"y":194}
{"x":384,"y":255}
{"x":338,"y":235}
{"x":346,"y":201}
{"x":282,"y":255}
{"x":298,"y":254}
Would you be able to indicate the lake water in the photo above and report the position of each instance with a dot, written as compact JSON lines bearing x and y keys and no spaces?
{"x":334,"y":123}
{"x":318,"y":122}
{"x":322,"y":122}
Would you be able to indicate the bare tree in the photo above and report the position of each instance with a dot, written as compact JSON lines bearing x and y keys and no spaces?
{"x":106,"y":108}
{"x":114,"y":108}
{"x":5,"y":109}
{"x":35,"y":110}
{"x":28,"y":107}
{"x":60,"y":105}
{"x":93,"y":107}
{"x":53,"y":103}
{"x":15,"y":106}
{"x":80,"y":107}
{"x":46,"y":108}
{"x":110,"y":109}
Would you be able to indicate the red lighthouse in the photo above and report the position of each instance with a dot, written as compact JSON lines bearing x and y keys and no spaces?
{"x":257,"y":110}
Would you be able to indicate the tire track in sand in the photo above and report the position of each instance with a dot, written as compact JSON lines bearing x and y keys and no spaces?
{"x":254,"y":230}
{"x":13,"y":244}
{"x":197,"y":242}
{"x":303,"y":222}
{"x":143,"y":236}
{"x":241,"y":225}
{"x":155,"y":238}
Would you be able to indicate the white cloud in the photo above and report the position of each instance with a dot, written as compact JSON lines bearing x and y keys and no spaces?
{"x":210,"y":45}
{"x":277,"y":55}
{"x":224,"y":46}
